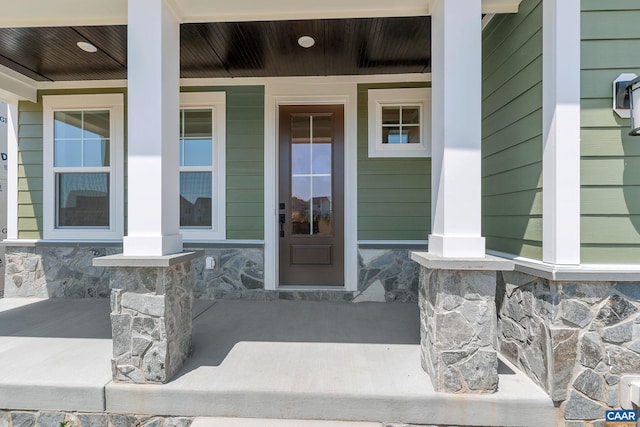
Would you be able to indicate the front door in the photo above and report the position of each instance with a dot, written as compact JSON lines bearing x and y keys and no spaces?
{"x":311,"y":195}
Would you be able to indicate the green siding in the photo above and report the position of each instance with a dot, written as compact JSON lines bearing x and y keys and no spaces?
{"x":245,"y":164}
{"x":394,"y":194}
{"x":610,"y":162}
{"x":512,"y":132}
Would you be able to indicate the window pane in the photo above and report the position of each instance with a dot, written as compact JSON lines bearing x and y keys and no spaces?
{"x":322,"y":213}
{"x":82,"y":199}
{"x":412,"y":134}
{"x":300,"y":158}
{"x":195,"y":199}
{"x":96,"y":153}
{"x":322,"y":128}
{"x":411,"y":115}
{"x":197,"y":123}
{"x":300,"y":209}
{"x":195,"y":152}
{"x":390,"y":115}
{"x":67,"y":124}
{"x":67,"y":153}
{"x":392,"y":135}
{"x":96,"y":124}
{"x":300,"y":129}
{"x":321,"y":158}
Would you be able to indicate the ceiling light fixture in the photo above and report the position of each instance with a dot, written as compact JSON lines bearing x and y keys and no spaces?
{"x":306,"y":41}
{"x":87,"y":47}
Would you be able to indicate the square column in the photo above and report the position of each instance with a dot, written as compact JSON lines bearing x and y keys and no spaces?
{"x":153,"y":71}
{"x":458,"y":322}
{"x":456,"y":123}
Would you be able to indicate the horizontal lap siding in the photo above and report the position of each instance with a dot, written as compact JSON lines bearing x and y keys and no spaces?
{"x":29,"y":170}
{"x":245,"y":159}
{"x":512,"y":132}
{"x":394,"y":194}
{"x":610,"y":162}
{"x":244,"y":169}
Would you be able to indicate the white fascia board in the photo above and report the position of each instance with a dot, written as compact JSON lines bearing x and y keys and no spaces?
{"x":47,"y":13}
{"x":15,"y":87}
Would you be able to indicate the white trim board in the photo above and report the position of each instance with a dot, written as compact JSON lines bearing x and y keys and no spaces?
{"x":303,"y":92}
{"x":582,"y":272}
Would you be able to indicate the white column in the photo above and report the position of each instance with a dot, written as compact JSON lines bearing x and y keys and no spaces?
{"x":153,"y":71}
{"x":12,"y":170}
{"x":561,"y":132}
{"x":455,"y":164}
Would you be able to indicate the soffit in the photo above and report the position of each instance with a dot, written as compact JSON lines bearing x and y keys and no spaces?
{"x":227,"y":49}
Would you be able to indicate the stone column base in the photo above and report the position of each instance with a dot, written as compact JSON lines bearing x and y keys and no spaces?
{"x":458,"y":322}
{"x":151,"y":316}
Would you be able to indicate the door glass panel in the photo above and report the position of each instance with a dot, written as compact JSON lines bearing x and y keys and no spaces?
{"x":300,"y":209}
{"x":311,"y":166}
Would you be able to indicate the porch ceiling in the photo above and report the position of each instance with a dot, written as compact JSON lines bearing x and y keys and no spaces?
{"x":230,"y":49}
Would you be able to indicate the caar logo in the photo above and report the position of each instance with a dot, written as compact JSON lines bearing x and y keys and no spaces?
{"x":621,"y":417}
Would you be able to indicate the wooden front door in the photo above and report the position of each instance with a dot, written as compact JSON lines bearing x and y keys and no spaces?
{"x":311,"y":191}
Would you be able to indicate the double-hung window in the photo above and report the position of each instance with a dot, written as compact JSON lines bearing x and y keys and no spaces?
{"x":399,"y":122}
{"x":202,"y":166}
{"x":83,"y":186}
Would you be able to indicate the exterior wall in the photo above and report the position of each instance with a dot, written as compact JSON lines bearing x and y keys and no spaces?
{"x":512,"y":132}
{"x":575,"y":339}
{"x":245,"y":161}
{"x":610,"y":163}
{"x":394,"y":194}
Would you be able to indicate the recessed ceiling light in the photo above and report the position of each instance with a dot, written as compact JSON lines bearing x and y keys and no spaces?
{"x":306,"y":41}
{"x":87,"y":47}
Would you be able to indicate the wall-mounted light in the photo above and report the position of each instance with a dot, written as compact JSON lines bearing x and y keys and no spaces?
{"x":626,"y":100}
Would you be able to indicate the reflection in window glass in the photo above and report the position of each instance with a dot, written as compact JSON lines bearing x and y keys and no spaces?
{"x":196,"y":168}
{"x":82,"y":199}
{"x":195,"y":199}
{"x":322,"y":212}
{"x":401,"y":125}
{"x":81,"y":138}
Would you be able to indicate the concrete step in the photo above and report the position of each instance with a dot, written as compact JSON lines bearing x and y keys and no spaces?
{"x":266,"y":422}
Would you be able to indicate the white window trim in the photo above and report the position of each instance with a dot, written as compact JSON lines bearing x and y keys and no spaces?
{"x":217,"y":102}
{"x":114,"y":103}
{"x":379,"y":98}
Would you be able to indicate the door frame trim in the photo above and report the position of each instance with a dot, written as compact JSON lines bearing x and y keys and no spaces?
{"x":304,"y":93}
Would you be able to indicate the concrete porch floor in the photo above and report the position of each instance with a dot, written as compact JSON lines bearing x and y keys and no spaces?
{"x":277,"y":359}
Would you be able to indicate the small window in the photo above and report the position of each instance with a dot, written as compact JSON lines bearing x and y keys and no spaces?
{"x":202,"y":166}
{"x":399,"y":122}
{"x":83,"y":186}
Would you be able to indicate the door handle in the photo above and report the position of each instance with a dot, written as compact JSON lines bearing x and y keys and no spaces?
{"x":283,"y":218}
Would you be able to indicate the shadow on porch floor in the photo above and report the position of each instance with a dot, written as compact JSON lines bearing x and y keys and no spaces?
{"x":277,"y":359}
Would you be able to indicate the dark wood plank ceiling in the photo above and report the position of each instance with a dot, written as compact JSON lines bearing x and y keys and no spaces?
{"x":231,"y":49}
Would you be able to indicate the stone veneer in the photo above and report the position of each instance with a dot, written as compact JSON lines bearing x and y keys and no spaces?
{"x":390,"y":270}
{"x":151,"y":312}
{"x":66,"y":271}
{"x":458,"y":330}
{"x":575,"y":339}
{"x":56,"y":272}
{"x":80,"y":419}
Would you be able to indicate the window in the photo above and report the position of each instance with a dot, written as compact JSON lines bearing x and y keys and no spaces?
{"x":399,"y":122}
{"x":83,"y":187}
{"x":202,"y":166}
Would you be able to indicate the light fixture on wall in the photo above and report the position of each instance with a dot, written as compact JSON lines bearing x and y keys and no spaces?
{"x":626,"y":100}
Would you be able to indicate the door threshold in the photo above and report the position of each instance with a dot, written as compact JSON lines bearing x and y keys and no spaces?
{"x":302,"y":288}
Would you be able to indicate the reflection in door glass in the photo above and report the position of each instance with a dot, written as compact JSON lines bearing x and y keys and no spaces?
{"x":311,"y":166}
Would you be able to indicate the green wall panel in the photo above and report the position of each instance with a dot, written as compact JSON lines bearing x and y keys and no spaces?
{"x":394,"y":194}
{"x":610,"y":194}
{"x":512,"y":132}
{"x":245,"y":161}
